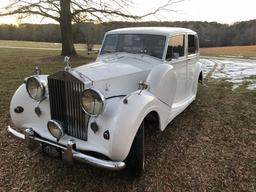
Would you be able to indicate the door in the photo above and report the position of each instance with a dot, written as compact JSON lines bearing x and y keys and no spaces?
{"x":176,"y":57}
{"x":192,"y":57}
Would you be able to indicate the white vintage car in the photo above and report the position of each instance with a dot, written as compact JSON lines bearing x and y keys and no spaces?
{"x":96,"y":113}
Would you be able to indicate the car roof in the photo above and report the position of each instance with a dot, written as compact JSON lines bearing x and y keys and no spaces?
{"x":151,"y":30}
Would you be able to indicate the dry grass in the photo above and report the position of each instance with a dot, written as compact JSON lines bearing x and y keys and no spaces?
{"x":40,"y":44}
{"x":241,"y":51}
{"x":211,"y":146}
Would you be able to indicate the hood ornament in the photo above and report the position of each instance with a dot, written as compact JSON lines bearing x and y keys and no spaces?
{"x":66,"y":62}
{"x":37,"y":71}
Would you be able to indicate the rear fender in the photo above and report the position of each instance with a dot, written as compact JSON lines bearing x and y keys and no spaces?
{"x":199,"y":70}
{"x":198,"y":76}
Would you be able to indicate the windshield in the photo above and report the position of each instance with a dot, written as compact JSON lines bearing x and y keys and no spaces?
{"x":152,"y":45}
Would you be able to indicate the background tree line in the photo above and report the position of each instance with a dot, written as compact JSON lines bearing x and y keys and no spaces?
{"x":211,"y":34}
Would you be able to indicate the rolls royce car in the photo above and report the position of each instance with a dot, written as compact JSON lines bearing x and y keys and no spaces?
{"x":96,"y":113}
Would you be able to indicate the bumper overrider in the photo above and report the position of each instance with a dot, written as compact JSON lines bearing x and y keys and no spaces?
{"x":68,"y":152}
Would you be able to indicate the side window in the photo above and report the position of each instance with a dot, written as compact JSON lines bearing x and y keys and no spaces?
{"x":175,"y":47}
{"x":192,"y":44}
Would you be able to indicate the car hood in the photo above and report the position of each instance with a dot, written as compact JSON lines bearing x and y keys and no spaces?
{"x":115,"y":67}
{"x":117,"y":76}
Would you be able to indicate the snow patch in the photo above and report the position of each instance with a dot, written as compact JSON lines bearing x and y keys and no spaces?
{"x":251,"y":87}
{"x":237,"y":72}
{"x":207,"y":66}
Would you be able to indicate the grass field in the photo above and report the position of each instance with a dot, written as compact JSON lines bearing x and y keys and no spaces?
{"x":211,"y":146}
{"x":35,"y":44}
{"x":43,"y":45}
{"x":236,"y":51}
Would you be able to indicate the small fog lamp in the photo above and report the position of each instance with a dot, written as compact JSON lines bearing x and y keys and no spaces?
{"x":55,"y":129}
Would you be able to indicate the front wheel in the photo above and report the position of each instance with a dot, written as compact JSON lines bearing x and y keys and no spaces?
{"x":135,"y":159}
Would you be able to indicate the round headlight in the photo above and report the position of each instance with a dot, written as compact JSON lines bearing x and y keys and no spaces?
{"x":92,"y":102}
{"x":55,"y":129}
{"x":35,"y":88}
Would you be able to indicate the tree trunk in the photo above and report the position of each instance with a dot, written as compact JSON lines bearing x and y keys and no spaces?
{"x":68,"y":48}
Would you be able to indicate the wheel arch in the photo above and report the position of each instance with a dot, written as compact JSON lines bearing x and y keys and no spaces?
{"x":200,"y":78}
{"x":144,"y":107}
{"x":150,"y":117}
{"x":153,"y":119}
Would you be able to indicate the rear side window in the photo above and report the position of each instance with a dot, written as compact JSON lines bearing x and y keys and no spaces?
{"x":175,"y":47}
{"x":192,"y":44}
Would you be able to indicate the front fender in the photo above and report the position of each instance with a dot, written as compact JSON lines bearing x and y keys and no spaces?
{"x":162,"y":82}
{"x":29,"y":118}
{"x":123,"y":120}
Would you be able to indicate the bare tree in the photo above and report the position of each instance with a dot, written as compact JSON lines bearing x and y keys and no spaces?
{"x":66,"y":12}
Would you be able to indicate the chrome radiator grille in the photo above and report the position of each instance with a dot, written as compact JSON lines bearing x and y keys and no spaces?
{"x":65,"y":98}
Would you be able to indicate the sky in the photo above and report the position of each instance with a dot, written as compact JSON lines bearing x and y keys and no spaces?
{"x":222,"y":11}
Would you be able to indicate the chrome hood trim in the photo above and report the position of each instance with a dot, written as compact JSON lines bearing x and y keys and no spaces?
{"x":71,"y":75}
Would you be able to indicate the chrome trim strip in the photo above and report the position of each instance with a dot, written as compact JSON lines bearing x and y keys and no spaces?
{"x":109,"y":165}
{"x":105,"y":164}
{"x":15,"y":133}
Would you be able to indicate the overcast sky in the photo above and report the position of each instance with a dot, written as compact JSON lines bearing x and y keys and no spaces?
{"x":222,"y":11}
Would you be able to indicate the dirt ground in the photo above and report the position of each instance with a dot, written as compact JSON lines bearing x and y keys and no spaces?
{"x":211,"y":146}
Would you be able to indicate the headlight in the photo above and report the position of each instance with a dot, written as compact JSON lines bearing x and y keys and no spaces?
{"x":92,"y":102}
{"x":35,"y":88}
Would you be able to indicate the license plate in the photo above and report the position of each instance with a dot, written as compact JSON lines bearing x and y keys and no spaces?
{"x":51,"y":150}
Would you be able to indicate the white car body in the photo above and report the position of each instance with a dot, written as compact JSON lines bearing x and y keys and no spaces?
{"x":172,"y":86}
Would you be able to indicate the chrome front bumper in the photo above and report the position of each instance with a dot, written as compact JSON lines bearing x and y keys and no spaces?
{"x":68,"y":153}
